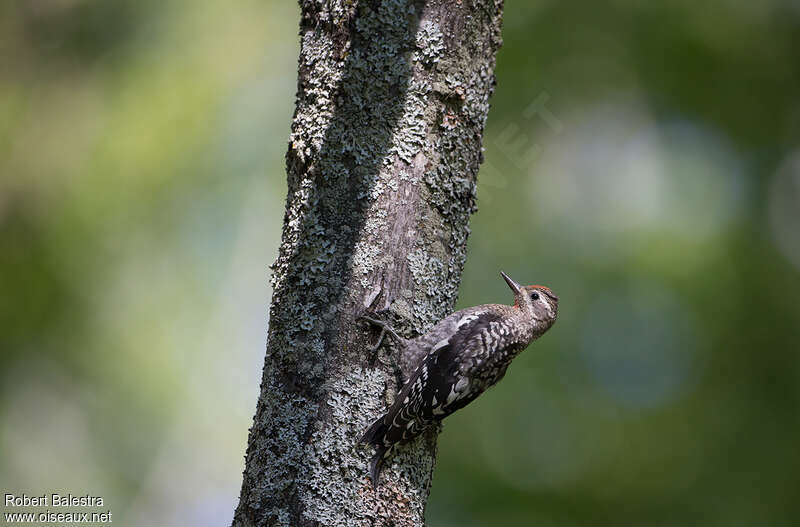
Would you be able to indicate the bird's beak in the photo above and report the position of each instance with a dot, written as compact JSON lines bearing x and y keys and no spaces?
{"x":511,"y":283}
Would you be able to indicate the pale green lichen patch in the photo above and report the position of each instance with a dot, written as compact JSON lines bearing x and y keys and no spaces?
{"x":338,"y":467}
{"x":430,"y":43}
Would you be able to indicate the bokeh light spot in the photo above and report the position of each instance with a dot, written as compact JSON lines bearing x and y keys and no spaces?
{"x":615,"y":178}
{"x":784,"y":208}
{"x":639,"y":345}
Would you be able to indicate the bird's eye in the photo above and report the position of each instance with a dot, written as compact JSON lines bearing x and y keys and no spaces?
{"x":535,"y":295}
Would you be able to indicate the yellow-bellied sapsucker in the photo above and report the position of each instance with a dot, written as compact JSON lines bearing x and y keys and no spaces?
{"x":456,"y":361}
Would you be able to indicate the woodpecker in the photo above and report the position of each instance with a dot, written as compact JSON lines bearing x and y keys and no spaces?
{"x":456,"y":361}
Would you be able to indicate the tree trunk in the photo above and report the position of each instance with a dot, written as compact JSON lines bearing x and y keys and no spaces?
{"x":382,"y":163}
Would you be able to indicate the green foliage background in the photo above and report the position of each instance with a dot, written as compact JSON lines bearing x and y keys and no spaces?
{"x":641,"y":159}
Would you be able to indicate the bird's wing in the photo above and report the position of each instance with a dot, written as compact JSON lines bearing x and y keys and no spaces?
{"x":438,"y":387}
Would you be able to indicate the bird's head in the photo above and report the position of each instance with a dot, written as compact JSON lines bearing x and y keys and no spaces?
{"x":537,"y":301}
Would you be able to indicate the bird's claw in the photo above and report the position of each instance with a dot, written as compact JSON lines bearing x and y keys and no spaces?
{"x":385,"y":328}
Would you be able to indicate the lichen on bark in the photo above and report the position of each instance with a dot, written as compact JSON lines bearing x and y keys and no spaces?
{"x":382,"y":163}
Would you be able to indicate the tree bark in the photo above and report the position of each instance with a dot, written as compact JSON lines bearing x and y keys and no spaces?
{"x":382,"y":164}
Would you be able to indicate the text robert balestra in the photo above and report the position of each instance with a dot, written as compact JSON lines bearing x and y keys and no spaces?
{"x":53,"y":500}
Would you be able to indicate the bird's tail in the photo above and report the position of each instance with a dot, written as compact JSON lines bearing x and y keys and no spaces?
{"x":374,"y":436}
{"x":375,"y":465}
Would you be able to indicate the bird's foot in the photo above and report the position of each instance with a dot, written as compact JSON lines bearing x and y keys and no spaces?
{"x":385,"y":328}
